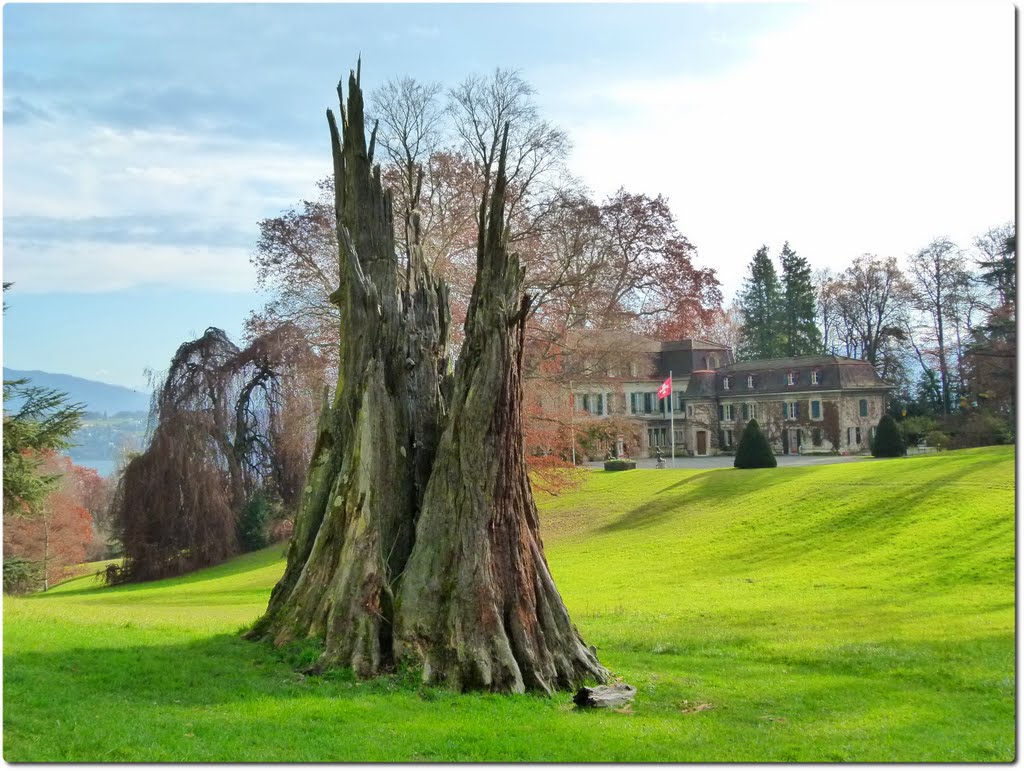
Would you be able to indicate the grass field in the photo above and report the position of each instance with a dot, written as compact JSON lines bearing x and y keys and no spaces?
{"x":857,"y":612}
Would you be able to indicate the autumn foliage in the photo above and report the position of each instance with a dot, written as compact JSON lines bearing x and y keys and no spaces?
{"x":231,"y":424}
{"x":53,"y":539}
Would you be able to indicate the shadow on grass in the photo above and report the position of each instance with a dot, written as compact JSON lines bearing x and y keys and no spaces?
{"x":716,"y":485}
{"x":214,"y":670}
{"x":235,"y":567}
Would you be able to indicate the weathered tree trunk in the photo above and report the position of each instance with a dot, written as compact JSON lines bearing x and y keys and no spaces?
{"x":376,"y":442}
{"x":605,"y":696}
{"x":418,"y":534}
{"x":478,"y":606}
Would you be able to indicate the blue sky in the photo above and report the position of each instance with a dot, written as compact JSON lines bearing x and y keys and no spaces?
{"x":143,"y":143}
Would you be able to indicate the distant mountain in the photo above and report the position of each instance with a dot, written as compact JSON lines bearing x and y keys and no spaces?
{"x":97,"y":397}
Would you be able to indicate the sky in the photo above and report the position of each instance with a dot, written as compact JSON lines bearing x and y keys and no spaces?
{"x":142,"y":144}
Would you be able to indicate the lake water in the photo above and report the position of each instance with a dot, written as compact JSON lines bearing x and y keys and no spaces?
{"x":105,"y":468}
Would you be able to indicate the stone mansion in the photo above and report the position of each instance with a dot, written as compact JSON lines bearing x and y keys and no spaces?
{"x":817,"y":404}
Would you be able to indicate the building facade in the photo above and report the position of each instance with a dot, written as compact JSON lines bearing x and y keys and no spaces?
{"x":820,"y":404}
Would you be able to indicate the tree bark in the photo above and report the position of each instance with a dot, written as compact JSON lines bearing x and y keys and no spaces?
{"x":376,"y":441}
{"x":478,"y":606}
{"x":418,"y":535}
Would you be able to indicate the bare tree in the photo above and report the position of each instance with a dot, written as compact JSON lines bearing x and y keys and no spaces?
{"x":479,"y":108}
{"x":871,"y":300}
{"x":828,"y":284}
{"x":410,"y":118}
{"x":938,"y":273}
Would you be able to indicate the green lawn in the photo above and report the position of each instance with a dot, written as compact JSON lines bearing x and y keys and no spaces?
{"x":858,"y":612}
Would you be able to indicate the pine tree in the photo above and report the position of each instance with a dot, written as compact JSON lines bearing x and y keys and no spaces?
{"x":760,"y":303}
{"x":798,"y":331}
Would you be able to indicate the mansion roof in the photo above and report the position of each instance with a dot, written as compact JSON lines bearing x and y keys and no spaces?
{"x":775,"y":376}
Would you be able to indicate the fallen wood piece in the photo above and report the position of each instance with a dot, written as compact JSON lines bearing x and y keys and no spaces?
{"x":605,"y":696}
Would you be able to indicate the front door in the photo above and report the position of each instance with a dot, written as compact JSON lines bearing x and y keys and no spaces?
{"x":702,"y":443}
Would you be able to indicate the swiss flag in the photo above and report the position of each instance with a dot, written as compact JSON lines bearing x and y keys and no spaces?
{"x":666,"y":388}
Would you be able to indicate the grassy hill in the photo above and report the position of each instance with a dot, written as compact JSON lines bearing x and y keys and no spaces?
{"x":858,"y":612}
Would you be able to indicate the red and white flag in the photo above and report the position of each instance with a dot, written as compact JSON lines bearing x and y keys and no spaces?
{"x":666,"y":388}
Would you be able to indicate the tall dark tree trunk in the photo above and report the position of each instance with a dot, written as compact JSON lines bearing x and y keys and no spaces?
{"x":418,"y":534}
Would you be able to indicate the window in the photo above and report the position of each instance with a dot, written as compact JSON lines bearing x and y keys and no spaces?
{"x":689,"y":410}
{"x":728,"y":438}
{"x":853,"y":435}
{"x":857,"y":434}
{"x":750,"y":381}
{"x":863,"y":410}
{"x":725,"y":383}
{"x":680,"y":404}
{"x":586,"y":402}
{"x":725,"y":412}
{"x":600,"y":405}
{"x":815,"y":409}
{"x":746,"y":412}
{"x":647,"y":401}
{"x":815,"y":377}
{"x":791,"y":410}
{"x":632,"y":402}
{"x":790,"y":378}
{"x":712,"y":362}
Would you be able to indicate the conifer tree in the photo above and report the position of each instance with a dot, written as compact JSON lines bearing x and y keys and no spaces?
{"x":760,"y":303}
{"x":754,"y":451}
{"x":798,"y":331}
{"x":888,"y":441}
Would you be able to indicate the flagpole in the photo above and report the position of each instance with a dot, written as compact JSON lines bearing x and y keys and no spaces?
{"x":572,"y":423}
{"x":672,"y":415}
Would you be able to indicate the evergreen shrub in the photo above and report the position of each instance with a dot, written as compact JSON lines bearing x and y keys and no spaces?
{"x":753,"y":450}
{"x":888,"y":441}
{"x":619,"y":465}
{"x":254,"y":523}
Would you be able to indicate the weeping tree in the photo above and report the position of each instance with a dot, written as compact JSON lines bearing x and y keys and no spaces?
{"x":417,"y":538}
{"x":218,"y":437}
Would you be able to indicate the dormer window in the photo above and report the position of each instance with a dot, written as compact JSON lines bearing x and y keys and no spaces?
{"x":790,"y":378}
{"x":815,"y":377}
{"x":750,"y":381}
{"x":725,"y":383}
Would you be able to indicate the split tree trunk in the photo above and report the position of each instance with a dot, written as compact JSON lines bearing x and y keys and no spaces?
{"x":418,"y":534}
{"x":478,"y":606}
{"x":375,"y":443}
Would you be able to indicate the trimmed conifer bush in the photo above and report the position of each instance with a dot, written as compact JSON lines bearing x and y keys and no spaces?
{"x":888,"y":441}
{"x":753,"y":450}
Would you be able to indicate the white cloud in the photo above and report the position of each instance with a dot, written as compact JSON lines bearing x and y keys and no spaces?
{"x":855,"y":129}
{"x":210,"y":182}
{"x":90,"y":266}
